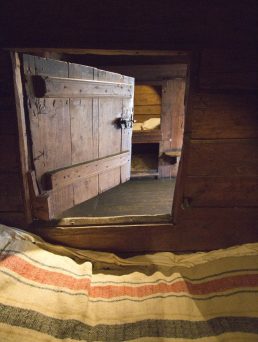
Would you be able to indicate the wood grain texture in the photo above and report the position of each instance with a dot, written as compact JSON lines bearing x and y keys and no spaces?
{"x":53,"y":87}
{"x":147,"y":109}
{"x":22,"y":137}
{"x":49,"y":126}
{"x":199,"y":230}
{"x":147,"y":99}
{"x":145,"y":137}
{"x":147,"y":102}
{"x":150,"y":73}
{"x":172,"y":123}
{"x":109,"y":139}
{"x":84,"y":134}
{"x":66,"y":131}
{"x":126,"y":136}
{"x":221,"y":192}
{"x":74,"y":173}
{"x":229,"y":157}
{"x":220,"y":116}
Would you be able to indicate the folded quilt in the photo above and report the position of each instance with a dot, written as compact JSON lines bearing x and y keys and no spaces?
{"x":54,"y":293}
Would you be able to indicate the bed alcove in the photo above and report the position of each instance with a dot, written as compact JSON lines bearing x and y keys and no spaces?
{"x":37,"y":81}
{"x":210,"y":165}
{"x":159,"y":108}
{"x":190,"y":275}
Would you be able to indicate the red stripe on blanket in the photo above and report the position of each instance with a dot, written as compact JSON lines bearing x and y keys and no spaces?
{"x":42,"y":276}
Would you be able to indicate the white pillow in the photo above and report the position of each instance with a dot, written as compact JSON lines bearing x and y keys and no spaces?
{"x":153,"y":123}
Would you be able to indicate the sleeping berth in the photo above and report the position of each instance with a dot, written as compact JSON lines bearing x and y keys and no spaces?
{"x":55,"y":293}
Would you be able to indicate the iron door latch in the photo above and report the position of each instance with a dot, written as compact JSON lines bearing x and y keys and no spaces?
{"x":124,"y":123}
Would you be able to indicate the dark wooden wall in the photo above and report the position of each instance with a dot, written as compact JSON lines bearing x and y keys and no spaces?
{"x":216,"y":198}
{"x":218,"y":189}
{"x":129,"y":24}
{"x":11,"y":194}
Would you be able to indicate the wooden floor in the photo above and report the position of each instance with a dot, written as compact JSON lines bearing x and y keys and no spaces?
{"x":136,"y":197}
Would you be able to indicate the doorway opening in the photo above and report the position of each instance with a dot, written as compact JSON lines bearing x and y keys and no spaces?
{"x":157,"y":133}
{"x":157,"y":136}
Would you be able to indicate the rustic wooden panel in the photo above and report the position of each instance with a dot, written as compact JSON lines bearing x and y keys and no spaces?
{"x":80,"y":71}
{"x":147,"y":99}
{"x":223,"y":158}
{"x":229,"y":69}
{"x":172,"y":123}
{"x":144,"y":137}
{"x":50,"y":130}
{"x":126,"y":137}
{"x":10,"y":190}
{"x":150,"y":110}
{"x":61,"y":199}
{"x":110,"y":138}
{"x":74,"y":173}
{"x":85,"y":190}
{"x":95,"y":127}
{"x":197,"y":230}
{"x":81,"y":130}
{"x":221,"y":191}
{"x":108,"y":111}
{"x":22,"y":136}
{"x":146,"y":89}
{"x":50,"y":126}
{"x":53,"y":87}
{"x":9,"y":153}
{"x":49,"y":67}
{"x":151,"y":73}
{"x":221,"y":116}
{"x":109,"y":76}
{"x":72,"y":131}
{"x":83,"y":134}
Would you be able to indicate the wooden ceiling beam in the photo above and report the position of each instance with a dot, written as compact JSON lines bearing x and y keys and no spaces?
{"x":105,"y":52}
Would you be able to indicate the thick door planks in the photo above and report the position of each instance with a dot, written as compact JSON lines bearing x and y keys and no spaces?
{"x":73,"y":121}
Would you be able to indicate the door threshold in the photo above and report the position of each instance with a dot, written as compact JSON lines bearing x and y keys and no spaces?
{"x":106,"y":220}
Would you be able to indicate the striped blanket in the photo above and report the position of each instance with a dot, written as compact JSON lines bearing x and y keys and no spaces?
{"x":53,"y":293}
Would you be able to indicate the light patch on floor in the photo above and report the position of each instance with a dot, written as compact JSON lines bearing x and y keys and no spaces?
{"x":136,"y":197}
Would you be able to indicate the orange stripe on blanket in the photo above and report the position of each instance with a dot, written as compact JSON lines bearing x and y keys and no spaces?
{"x":36,"y":274}
{"x":42,"y":276}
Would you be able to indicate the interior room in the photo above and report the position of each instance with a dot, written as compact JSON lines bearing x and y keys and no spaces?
{"x":98,"y":98}
{"x":158,"y":111}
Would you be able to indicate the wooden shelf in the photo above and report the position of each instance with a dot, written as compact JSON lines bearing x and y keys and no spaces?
{"x":146,"y":137}
{"x":145,"y":173}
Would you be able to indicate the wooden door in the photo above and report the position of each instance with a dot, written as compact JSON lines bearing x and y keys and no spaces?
{"x":79,"y":119}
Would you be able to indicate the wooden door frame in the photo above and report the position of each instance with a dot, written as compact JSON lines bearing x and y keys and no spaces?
{"x":143,"y":233}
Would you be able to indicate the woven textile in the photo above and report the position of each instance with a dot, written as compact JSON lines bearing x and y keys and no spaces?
{"x":53,"y":293}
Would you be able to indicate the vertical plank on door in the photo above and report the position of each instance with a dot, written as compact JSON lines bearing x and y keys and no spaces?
{"x":126,"y":143}
{"x":50,"y":127}
{"x":83,"y":134}
{"x":109,"y":138}
{"x":109,"y":134}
